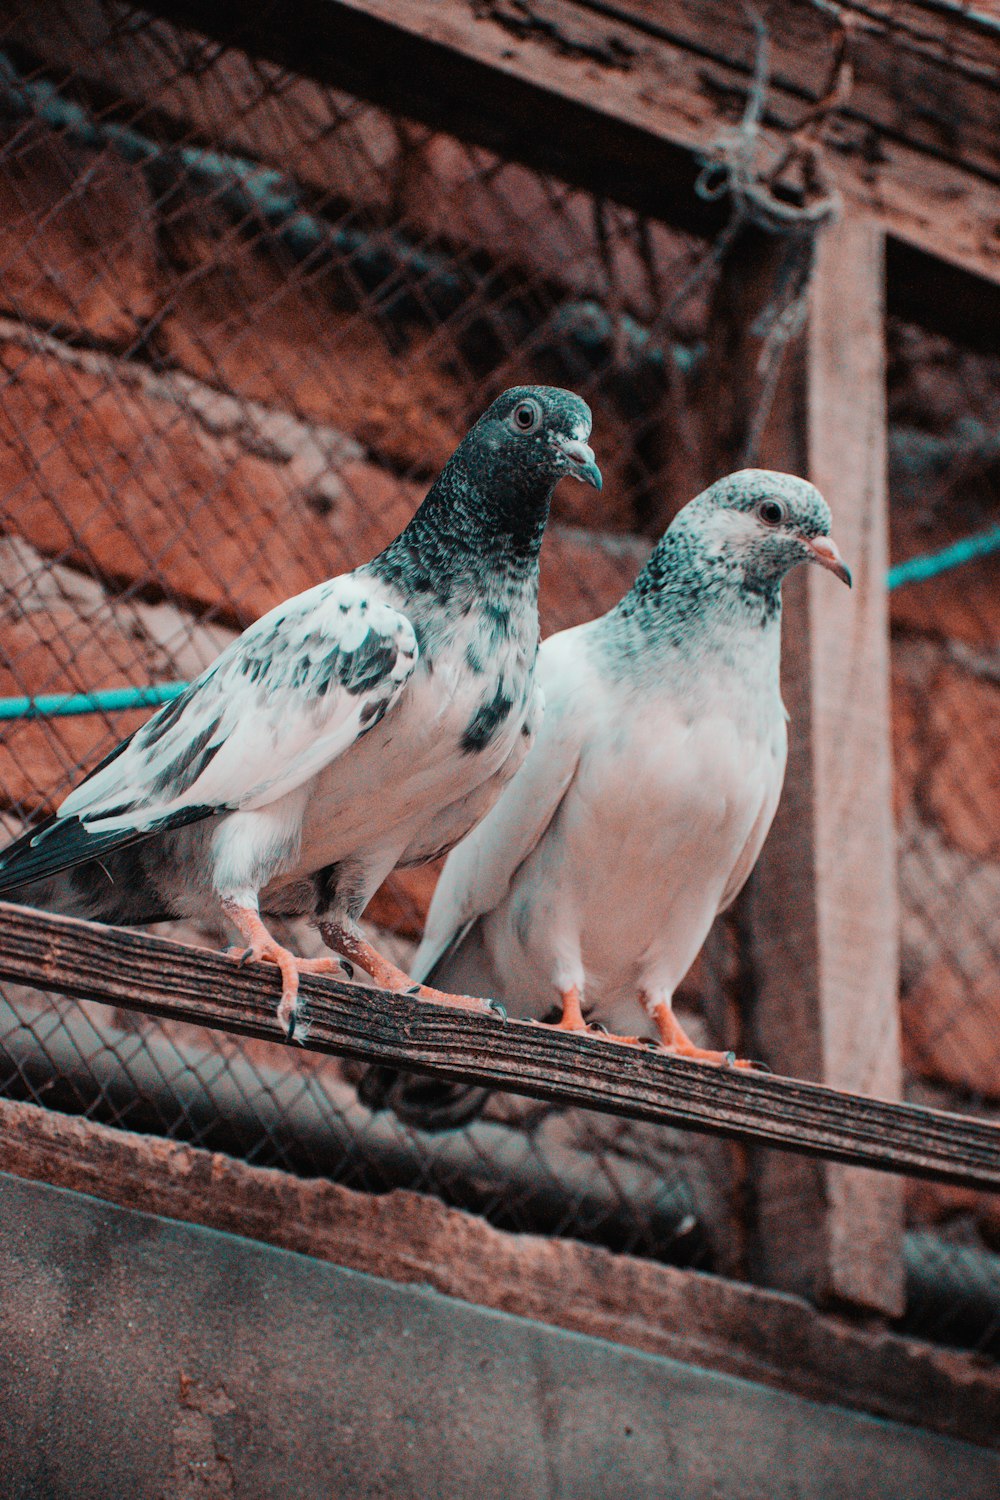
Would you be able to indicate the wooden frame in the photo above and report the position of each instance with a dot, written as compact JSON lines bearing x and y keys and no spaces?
{"x":625,"y":99}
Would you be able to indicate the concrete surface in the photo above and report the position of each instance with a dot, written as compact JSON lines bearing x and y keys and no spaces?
{"x":141,"y":1357}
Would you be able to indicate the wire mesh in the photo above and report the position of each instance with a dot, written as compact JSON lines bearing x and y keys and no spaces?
{"x":243,"y":319}
{"x":945,"y":485}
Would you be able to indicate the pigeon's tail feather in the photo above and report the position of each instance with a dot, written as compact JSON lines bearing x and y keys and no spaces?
{"x":119,"y":888}
{"x":433,"y":1104}
{"x":61,"y":843}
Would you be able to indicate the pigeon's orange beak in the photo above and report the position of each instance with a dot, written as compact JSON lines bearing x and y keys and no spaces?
{"x":825,"y":551}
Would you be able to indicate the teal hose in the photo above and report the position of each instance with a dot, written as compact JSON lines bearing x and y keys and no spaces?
{"x":111,"y":700}
{"x":916,"y":569}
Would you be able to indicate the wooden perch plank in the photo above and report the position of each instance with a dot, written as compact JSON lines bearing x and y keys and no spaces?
{"x":168,"y":979}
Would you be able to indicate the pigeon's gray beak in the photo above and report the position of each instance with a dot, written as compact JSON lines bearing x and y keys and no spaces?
{"x":826,"y":552}
{"x":583,"y":464}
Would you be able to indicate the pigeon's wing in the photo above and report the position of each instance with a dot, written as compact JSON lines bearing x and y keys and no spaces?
{"x":749,"y":854}
{"x":479,"y":871}
{"x":290,"y":696}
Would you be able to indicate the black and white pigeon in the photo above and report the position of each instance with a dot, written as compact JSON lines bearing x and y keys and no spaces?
{"x":642,"y":808}
{"x":367,"y":723}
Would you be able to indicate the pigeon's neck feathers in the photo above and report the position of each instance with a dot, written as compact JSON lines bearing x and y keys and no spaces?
{"x":480,"y":526}
{"x":702,"y":608}
{"x":501,"y":506}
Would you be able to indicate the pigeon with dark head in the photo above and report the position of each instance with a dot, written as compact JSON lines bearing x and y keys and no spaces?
{"x":642,"y":808}
{"x":367,"y":723}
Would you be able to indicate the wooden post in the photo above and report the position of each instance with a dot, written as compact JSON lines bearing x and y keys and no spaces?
{"x":819,"y":917}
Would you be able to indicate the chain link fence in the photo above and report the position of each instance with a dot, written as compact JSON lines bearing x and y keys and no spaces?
{"x":945,"y":490}
{"x":244,"y":318}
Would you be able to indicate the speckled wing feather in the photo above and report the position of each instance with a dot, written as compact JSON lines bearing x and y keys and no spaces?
{"x":297,"y":689}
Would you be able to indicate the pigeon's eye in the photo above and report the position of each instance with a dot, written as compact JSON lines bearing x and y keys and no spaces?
{"x":771,"y":512}
{"x":526,"y":416}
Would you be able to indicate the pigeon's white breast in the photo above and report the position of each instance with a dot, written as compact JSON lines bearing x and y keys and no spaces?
{"x":619,"y":895}
{"x":408,"y":788}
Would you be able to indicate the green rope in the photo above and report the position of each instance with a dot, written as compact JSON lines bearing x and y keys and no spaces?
{"x":916,"y":569}
{"x":113,"y":700}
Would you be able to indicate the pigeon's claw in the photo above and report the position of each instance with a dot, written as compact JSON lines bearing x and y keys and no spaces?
{"x":387,"y":975}
{"x":263,"y":948}
{"x":598,"y":1028}
{"x":238,"y":954}
{"x":288,"y":1010}
{"x":572,"y":1019}
{"x":675,"y":1040}
{"x":462,"y":1002}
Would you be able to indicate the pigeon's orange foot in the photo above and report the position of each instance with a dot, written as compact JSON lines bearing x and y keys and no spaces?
{"x":604,"y":1035}
{"x":594,"y":1029}
{"x":572,"y":1020}
{"x":388,"y":976}
{"x":675,"y":1040}
{"x":462,"y":1002}
{"x":263,"y":948}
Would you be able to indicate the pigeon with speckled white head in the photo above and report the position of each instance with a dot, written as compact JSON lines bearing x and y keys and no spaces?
{"x":643,"y":806}
{"x":367,"y":723}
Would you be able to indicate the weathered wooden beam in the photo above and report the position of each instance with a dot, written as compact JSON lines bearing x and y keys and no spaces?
{"x":626,"y":118}
{"x":819,"y":917}
{"x":922,"y":72}
{"x":847,"y":670}
{"x":169,"y":979}
{"x":624,"y":97}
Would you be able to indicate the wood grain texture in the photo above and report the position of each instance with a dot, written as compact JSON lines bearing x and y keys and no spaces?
{"x":924,"y":73}
{"x":168,"y":979}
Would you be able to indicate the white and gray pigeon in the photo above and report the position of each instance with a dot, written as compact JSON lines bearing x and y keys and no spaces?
{"x":643,"y":806}
{"x":367,"y":723}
